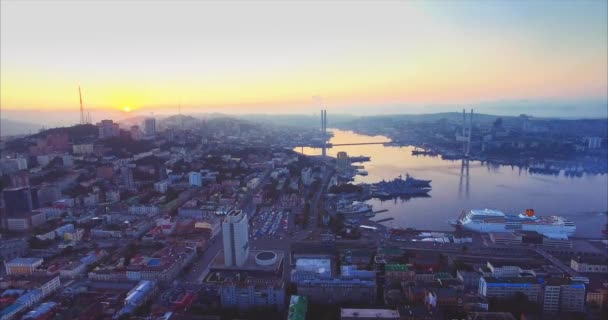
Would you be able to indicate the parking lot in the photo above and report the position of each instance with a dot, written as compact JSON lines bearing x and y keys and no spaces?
{"x":270,"y":224}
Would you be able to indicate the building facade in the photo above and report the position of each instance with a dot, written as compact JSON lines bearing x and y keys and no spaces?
{"x":236,"y":238}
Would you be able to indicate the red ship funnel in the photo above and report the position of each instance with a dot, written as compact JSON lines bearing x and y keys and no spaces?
{"x":530,"y":212}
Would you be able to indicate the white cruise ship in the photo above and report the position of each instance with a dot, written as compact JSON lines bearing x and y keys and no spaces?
{"x":487,"y":220}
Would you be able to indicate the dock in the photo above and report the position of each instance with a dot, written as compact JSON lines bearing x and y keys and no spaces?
{"x":384,"y":220}
{"x":380,"y":211}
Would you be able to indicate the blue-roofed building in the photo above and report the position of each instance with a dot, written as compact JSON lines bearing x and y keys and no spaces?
{"x":41,"y":310}
{"x":563,"y":295}
{"x":314,"y":280}
{"x":30,"y":298}
{"x":504,"y":288}
{"x":556,"y":295}
{"x":136,"y":297}
{"x":10,"y":311}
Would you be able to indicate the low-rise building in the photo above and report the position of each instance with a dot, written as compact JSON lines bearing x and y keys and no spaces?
{"x":589,"y":265}
{"x":22,"y":265}
{"x":12,"y":248}
{"x":504,"y":288}
{"x":252,"y":292}
{"x":298,"y":306}
{"x":368,"y":314}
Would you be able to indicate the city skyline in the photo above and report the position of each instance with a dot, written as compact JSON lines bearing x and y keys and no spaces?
{"x":267,"y":57}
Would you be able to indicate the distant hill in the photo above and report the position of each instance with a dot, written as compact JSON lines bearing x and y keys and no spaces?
{"x":13,"y":128}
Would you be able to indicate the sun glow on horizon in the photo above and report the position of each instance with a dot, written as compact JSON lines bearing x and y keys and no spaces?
{"x":233,"y":57}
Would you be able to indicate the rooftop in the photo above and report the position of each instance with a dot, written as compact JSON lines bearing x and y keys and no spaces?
{"x":298,"y":306}
{"x":318,"y":265}
{"x":250,"y":264}
{"x":396,"y":267}
{"x":25,"y":261}
{"x":490,"y":316}
{"x":369,"y":313}
{"x":511,"y":280}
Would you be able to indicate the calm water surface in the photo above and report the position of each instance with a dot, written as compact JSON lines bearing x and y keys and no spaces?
{"x":458,"y":186}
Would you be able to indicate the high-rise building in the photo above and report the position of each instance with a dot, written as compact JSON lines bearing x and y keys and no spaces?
{"x":136,"y":133}
{"x":150,"y":127}
{"x":594,"y":142}
{"x":195,"y":179}
{"x":17,"y":200}
{"x":108,"y":129}
{"x":47,"y":194}
{"x":236,"y":238}
{"x":127,"y":177}
{"x":342,"y":161}
{"x":20,"y":179}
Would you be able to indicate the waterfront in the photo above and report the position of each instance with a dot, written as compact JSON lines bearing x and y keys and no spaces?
{"x":460,"y":186}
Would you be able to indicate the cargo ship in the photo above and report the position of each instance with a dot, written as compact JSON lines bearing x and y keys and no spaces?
{"x":487,"y":220}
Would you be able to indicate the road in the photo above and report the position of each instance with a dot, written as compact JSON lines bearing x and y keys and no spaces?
{"x":200,"y":267}
{"x":314,"y":206}
{"x":565,"y":268}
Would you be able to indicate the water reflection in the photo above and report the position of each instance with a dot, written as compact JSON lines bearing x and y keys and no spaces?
{"x":464,"y":175}
{"x":507,"y":188}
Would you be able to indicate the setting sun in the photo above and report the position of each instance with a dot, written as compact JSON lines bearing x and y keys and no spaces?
{"x":126,"y":109}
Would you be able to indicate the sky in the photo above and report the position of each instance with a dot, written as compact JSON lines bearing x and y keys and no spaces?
{"x":360,"y":57}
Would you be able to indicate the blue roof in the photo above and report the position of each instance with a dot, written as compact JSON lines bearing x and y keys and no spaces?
{"x":42,"y":309}
{"x":29,"y":295}
{"x":25,"y":260}
{"x":10,"y":309}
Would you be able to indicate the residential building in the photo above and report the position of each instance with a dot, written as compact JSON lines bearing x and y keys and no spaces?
{"x":503,"y":288}
{"x":589,"y":265}
{"x":161,"y":186}
{"x":22,"y":265}
{"x":572,"y":297}
{"x":87,"y":148}
{"x":136,"y":133}
{"x":150,"y":127}
{"x":17,"y":200}
{"x":252,"y":292}
{"x":108,"y":129}
{"x":314,"y":279}
{"x":12,"y":248}
{"x":594,"y":142}
{"x":342,"y":161}
{"x":127,"y":177}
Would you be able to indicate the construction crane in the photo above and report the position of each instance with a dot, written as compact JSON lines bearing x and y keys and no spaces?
{"x":82,"y":119}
